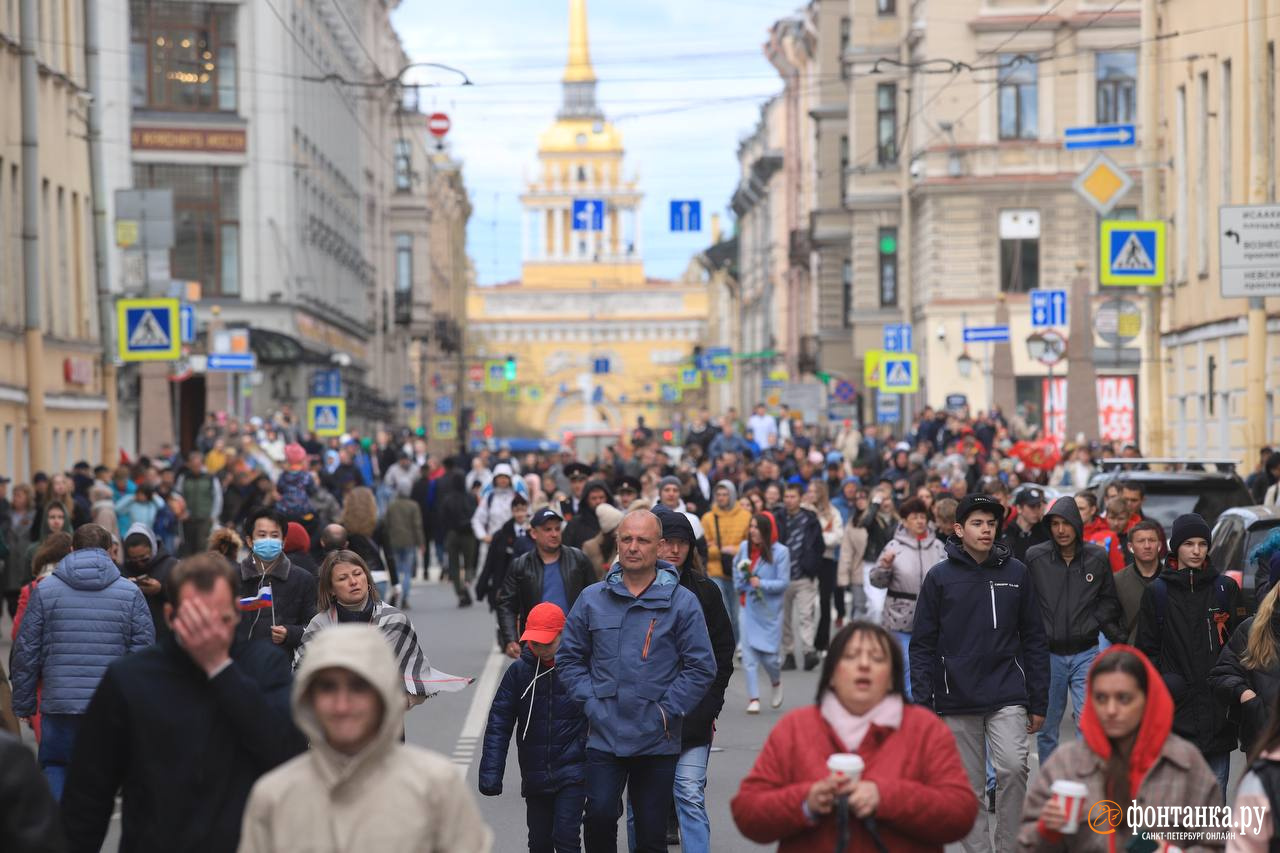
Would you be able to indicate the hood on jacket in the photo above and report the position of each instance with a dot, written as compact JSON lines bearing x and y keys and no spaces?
{"x":502,"y":469}
{"x":90,"y":569}
{"x":905,"y":537}
{"x":668,"y":576}
{"x":733,"y":492}
{"x":1153,"y":731}
{"x":140,"y":529}
{"x":1066,"y":509}
{"x":999,"y":555}
{"x":597,"y":485}
{"x":362,"y":649}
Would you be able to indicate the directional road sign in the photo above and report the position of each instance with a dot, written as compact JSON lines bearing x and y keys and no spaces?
{"x":148,"y":330}
{"x":326,"y":383}
{"x":235,"y":362}
{"x":1249,"y":249}
{"x":1099,"y":136}
{"x":409,"y":396}
{"x":444,"y":405}
{"x":986,"y":334}
{"x":1048,"y":308}
{"x":187,"y":321}
{"x":887,"y":408}
{"x":600,"y":366}
{"x":898,"y":337}
{"x":686,"y":215}
{"x":327,"y":416}
{"x":1132,"y":253}
{"x":899,"y":373}
{"x":588,"y":214}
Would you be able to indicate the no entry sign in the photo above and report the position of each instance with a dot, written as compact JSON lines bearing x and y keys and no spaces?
{"x":438,"y":124}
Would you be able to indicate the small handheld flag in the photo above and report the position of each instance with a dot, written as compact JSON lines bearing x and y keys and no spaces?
{"x":261,"y":601}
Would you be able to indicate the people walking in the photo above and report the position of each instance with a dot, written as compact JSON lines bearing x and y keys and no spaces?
{"x":456,"y":507}
{"x":203,"y":493}
{"x":725,"y":526}
{"x":761,"y":575}
{"x":801,"y":532}
{"x":276,"y":599}
{"x":1147,"y":551}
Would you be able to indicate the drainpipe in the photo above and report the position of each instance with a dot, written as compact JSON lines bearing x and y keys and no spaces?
{"x":34,"y":334}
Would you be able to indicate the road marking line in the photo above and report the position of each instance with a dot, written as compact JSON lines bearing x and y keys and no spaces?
{"x":478,"y":714}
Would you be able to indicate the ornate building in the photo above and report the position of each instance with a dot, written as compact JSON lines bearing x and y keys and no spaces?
{"x":594,"y":339}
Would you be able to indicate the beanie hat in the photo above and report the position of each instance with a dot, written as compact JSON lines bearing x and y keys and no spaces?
{"x":668,"y":481}
{"x":296,"y":538}
{"x":294,"y":454}
{"x":675,"y":525}
{"x":545,"y":621}
{"x":1189,"y":526}
{"x":609,"y":517}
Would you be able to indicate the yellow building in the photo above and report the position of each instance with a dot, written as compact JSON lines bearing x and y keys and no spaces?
{"x":594,"y":339}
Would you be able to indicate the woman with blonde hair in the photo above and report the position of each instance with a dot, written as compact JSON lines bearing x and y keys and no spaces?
{"x":1247,"y":673}
{"x":365,"y":537}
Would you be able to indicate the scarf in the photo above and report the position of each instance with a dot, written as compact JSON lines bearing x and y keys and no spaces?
{"x":852,"y":728}
{"x":362,"y":612}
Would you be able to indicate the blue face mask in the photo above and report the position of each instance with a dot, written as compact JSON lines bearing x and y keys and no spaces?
{"x":267,"y":549}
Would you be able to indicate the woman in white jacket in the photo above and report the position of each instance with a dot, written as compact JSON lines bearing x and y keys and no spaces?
{"x":357,"y":788}
{"x":903,"y":563}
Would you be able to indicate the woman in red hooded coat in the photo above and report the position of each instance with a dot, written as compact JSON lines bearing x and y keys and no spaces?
{"x":1128,"y":754}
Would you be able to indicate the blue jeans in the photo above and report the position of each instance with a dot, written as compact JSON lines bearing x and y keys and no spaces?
{"x":730,"y":596}
{"x":769,"y":660}
{"x":904,"y":637}
{"x":57,"y":740}
{"x":406,"y":562}
{"x":555,"y":820}
{"x":649,"y":780}
{"x":1220,"y":764}
{"x":1066,"y":672}
{"x":691,"y":804}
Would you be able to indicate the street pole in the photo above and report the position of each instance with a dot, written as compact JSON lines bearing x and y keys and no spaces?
{"x":34,"y":334}
{"x":1260,"y":154}
{"x":1154,"y":378}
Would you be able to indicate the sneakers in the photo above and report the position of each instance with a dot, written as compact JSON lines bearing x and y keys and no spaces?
{"x":753,"y":707}
{"x":775,"y":699}
{"x":811,"y":660}
{"x":788,"y":663}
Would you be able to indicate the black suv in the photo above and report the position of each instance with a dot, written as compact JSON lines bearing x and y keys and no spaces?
{"x":1204,"y":486}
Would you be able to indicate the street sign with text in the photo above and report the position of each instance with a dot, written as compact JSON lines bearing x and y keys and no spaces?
{"x":1249,"y":249}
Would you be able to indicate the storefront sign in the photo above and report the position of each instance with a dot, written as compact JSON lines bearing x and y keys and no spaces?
{"x":188,"y":139}
{"x":1117,"y":409}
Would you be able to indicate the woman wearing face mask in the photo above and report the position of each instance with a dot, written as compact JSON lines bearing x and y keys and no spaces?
{"x":277,"y":599}
{"x":356,"y":788}
{"x":345,"y":594}
{"x":913,"y":794}
{"x":1127,"y":752}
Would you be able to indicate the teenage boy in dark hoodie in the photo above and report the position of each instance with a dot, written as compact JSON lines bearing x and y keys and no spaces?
{"x":1188,"y":601}
{"x":1077,"y":594}
{"x":979,"y":660}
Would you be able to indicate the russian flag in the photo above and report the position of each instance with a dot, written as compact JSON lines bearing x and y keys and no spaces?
{"x":261,"y":601}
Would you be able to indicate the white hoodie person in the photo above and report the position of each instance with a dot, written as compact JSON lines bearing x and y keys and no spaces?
{"x":494,"y":507}
{"x":357,"y":787}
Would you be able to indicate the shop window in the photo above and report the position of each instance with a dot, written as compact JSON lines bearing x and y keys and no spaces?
{"x":182,"y":56}
{"x":206,"y":213}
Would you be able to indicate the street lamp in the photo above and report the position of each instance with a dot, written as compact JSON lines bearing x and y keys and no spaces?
{"x":964,"y":364}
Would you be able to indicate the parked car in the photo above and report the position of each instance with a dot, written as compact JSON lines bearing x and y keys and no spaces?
{"x":1239,"y":530}
{"x":1177,"y":486}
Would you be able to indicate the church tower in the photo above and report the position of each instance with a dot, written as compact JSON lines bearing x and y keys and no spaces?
{"x":580,"y":182}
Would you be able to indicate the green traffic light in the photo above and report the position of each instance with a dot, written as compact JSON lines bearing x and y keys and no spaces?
{"x":888,"y":244}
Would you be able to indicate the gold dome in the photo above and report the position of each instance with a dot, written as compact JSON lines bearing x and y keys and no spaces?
{"x":569,"y":136}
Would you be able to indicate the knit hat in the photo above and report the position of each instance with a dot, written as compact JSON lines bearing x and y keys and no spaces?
{"x":545,"y":622}
{"x":675,"y":525}
{"x":1189,"y":526}
{"x":668,"y":481}
{"x":609,"y":517}
{"x":296,"y":538}
{"x":294,"y":454}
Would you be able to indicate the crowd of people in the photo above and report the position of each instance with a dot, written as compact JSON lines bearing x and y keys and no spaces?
{"x":221,"y":639}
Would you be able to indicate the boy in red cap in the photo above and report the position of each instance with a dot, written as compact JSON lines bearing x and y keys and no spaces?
{"x":551,"y":737}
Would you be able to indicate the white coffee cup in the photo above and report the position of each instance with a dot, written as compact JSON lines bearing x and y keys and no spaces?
{"x":846,"y":764}
{"x":1071,"y":795}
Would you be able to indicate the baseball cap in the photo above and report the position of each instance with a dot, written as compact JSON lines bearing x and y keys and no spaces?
{"x":544,"y":515}
{"x":546,"y":620}
{"x":1029,"y":497}
{"x":972,"y":503}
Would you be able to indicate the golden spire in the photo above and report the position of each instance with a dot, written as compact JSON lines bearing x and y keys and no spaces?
{"x":579,"y":68}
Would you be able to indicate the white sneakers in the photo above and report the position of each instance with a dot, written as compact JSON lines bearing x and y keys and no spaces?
{"x":753,"y":707}
{"x":775,"y":700}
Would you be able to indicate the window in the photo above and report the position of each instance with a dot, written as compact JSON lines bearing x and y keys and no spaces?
{"x":582,"y":174}
{"x":886,"y":7}
{"x":887,"y":123}
{"x":206,"y":212}
{"x":1202,"y":176}
{"x":404,"y":263}
{"x":888,"y":267}
{"x":844,"y":155}
{"x":404,"y":166}
{"x":1019,"y":250}
{"x":182,"y":56}
{"x":1224,"y":130}
{"x":1018,"y":97}
{"x":846,"y":30}
{"x":1117,"y":86}
{"x":846,"y":292}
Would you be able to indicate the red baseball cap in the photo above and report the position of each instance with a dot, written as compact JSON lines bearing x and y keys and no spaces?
{"x":544,"y":624}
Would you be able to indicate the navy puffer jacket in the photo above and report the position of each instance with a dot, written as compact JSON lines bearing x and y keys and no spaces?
{"x":550,"y":727}
{"x":80,"y":620}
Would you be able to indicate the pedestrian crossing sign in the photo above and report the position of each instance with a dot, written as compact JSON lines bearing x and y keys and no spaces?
{"x":327,"y":416}
{"x":1132,"y":253}
{"x":899,"y":373}
{"x":148,"y":330}
{"x":720,"y":371}
{"x":444,"y":427}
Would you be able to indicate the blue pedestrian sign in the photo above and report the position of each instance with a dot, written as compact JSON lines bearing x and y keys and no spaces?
{"x":148,"y":330}
{"x":588,"y":214}
{"x":600,"y":366}
{"x":898,"y":337}
{"x":327,"y":416}
{"x":686,"y":215}
{"x":326,"y":383}
{"x":1048,"y":308}
{"x":986,"y":334}
{"x":1132,"y":253}
{"x":444,"y":405}
{"x":1099,"y":136}
{"x":899,"y":373}
{"x":232,"y":362}
{"x":187,"y":320}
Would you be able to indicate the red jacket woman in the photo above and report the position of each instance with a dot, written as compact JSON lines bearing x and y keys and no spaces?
{"x":913,"y":792}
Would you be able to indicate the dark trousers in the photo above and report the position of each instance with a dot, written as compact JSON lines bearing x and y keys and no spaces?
{"x":649,"y":780}
{"x":195,"y":535}
{"x":57,"y":740}
{"x":826,"y":588}
{"x":461,"y":548}
{"x":555,"y":820}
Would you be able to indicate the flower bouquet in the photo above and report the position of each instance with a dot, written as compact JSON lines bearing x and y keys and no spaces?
{"x":744,"y":566}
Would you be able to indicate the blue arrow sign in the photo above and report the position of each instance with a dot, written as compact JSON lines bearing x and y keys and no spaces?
{"x":236,"y":362}
{"x":1048,"y":308}
{"x":986,"y":334}
{"x":898,"y":337}
{"x":444,"y":405}
{"x":187,"y":322}
{"x":588,"y":214}
{"x":1099,"y":136}
{"x":600,"y":367}
{"x":686,"y":215}
{"x":326,"y":383}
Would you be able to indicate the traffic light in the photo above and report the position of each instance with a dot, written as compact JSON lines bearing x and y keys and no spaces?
{"x":509,"y":369}
{"x":667,"y":435}
{"x":488,"y":430}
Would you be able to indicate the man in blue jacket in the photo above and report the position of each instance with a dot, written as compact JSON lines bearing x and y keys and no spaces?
{"x":637,"y":654}
{"x":979,"y":659}
{"x":80,"y":619}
